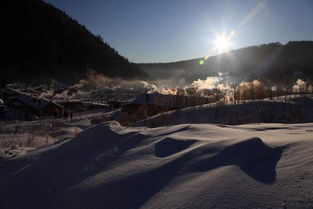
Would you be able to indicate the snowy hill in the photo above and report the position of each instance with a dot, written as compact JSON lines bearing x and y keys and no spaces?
{"x":180,"y":166}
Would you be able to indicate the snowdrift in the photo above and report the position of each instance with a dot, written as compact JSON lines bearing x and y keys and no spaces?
{"x":297,"y":110}
{"x":180,"y":166}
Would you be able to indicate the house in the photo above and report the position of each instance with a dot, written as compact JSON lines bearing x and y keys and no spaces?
{"x":30,"y":105}
{"x":43,"y":107}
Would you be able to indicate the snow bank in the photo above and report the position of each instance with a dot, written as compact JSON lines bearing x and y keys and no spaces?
{"x":180,"y":166}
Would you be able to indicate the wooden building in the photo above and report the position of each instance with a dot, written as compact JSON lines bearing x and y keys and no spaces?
{"x":30,"y":105}
{"x":146,"y":105}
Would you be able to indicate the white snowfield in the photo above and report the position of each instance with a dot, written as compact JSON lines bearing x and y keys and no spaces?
{"x":108,"y":166}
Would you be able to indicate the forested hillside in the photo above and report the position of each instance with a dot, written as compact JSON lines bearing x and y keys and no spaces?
{"x":40,"y":42}
{"x":272,"y":62}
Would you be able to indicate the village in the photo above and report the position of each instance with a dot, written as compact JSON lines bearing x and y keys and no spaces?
{"x":30,"y":120}
{"x":18,"y":105}
{"x":26,"y":105}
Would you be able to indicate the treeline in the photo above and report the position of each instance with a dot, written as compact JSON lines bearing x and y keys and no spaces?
{"x":246,"y":90}
{"x":256,"y":89}
{"x":270,"y":63}
{"x":40,"y":42}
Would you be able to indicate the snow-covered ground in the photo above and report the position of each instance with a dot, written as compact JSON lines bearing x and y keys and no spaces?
{"x":92,"y":161}
{"x":19,"y":137}
{"x":177,"y":166}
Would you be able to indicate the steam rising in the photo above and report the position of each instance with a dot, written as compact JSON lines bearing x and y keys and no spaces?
{"x":300,"y":86}
{"x":219,"y":87}
{"x":96,"y":83}
{"x":95,"y":80}
{"x":209,"y":83}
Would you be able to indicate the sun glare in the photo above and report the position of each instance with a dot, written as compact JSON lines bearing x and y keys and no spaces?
{"x":222,"y":43}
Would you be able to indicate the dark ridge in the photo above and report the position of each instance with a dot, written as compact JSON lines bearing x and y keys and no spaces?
{"x":271,"y":62}
{"x":40,"y":42}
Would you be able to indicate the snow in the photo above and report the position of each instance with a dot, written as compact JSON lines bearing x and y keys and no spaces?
{"x":267,"y":165}
{"x":29,"y":135}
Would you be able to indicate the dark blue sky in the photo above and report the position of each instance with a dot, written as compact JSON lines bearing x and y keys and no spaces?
{"x":172,"y":30}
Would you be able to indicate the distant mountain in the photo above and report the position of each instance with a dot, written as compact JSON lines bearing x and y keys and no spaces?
{"x":272,"y":62}
{"x":40,"y":42}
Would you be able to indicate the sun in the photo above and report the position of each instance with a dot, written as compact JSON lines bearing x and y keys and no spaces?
{"x":222,"y":43}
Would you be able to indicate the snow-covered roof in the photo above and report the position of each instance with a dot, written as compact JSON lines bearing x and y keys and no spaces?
{"x":25,"y":98}
{"x":41,"y":102}
{"x":31,"y":100}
